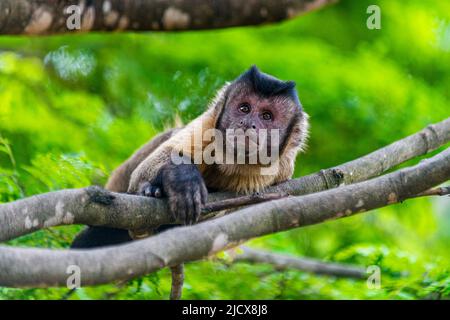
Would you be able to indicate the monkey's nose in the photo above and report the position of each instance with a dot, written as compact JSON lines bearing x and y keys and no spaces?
{"x":253,"y":126}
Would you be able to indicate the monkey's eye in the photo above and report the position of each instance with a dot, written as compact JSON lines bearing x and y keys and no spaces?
{"x":267,"y":115}
{"x":245,"y":108}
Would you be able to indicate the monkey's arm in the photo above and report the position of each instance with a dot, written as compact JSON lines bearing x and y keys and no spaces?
{"x":182,"y":182}
{"x":184,"y":140}
{"x":92,"y":237}
{"x":120,"y":178}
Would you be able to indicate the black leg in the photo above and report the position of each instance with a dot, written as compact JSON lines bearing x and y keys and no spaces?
{"x":93,"y":237}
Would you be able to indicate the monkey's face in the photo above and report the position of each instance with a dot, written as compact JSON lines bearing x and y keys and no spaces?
{"x":257,"y":121}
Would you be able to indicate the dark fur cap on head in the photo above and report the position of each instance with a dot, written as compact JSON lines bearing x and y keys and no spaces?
{"x":267,"y":85}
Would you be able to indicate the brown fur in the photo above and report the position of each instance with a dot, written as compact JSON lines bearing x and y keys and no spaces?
{"x":144,"y":166}
{"x":120,"y":178}
{"x":237,"y":177}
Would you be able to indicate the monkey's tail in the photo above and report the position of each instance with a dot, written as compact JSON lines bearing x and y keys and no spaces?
{"x":177,"y":281}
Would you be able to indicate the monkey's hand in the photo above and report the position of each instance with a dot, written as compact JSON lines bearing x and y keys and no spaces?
{"x":184,"y":187}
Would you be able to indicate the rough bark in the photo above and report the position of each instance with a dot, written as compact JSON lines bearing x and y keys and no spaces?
{"x":25,"y":267}
{"x":95,"y":206}
{"x":371,"y":165}
{"x":51,"y":16}
{"x":177,"y":282}
{"x":283,"y":262}
{"x":98,"y":207}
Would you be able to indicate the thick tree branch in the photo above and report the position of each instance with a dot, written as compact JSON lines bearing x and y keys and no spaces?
{"x":371,"y":165}
{"x":94,"y":206}
{"x":283,"y":262}
{"x":51,"y":17}
{"x":25,"y":267}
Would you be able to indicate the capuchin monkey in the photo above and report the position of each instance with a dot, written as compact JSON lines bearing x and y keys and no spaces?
{"x":252,"y":102}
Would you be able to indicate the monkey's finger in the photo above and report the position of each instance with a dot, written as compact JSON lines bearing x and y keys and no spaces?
{"x":197,"y":205}
{"x":180,"y":210}
{"x":150,"y":190}
{"x":173,"y":208}
{"x":204,"y":193}
{"x":157,"y":192}
{"x":145,"y":190}
{"x":189,"y":209}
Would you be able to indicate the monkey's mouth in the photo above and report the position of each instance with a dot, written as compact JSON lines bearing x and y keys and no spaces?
{"x":242,"y":144}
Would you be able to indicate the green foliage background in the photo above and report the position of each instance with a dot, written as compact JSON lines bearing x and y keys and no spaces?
{"x":74,"y":107}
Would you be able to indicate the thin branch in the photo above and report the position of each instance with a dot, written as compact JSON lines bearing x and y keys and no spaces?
{"x":210,"y":208}
{"x":63,"y":16}
{"x":177,"y":281}
{"x":441,"y":191}
{"x":26,"y":267}
{"x":371,"y":165}
{"x":283,"y":262}
{"x":98,"y":207}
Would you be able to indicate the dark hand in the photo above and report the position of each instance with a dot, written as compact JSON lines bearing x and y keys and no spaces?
{"x":184,"y":187}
